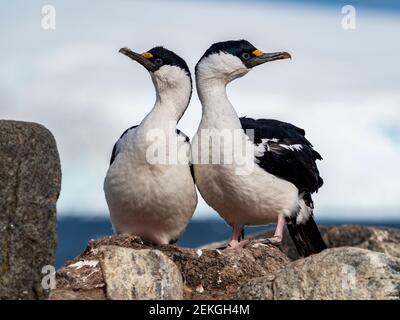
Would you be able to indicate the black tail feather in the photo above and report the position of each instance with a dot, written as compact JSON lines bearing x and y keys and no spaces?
{"x":306,"y":237}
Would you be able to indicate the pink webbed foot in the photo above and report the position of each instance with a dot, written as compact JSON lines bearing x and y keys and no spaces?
{"x":235,"y":244}
{"x":237,"y":238}
{"x":276,"y":240}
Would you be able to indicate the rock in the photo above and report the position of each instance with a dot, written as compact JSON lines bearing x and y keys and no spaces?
{"x":339,"y":273}
{"x":82,"y":279}
{"x":119,"y":273}
{"x":380,"y":239}
{"x":140,"y":274}
{"x":60,"y":294}
{"x":30,"y":178}
{"x":207,"y":274}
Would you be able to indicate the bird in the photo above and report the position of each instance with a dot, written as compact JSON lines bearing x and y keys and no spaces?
{"x":274,"y":181}
{"x":149,"y":186}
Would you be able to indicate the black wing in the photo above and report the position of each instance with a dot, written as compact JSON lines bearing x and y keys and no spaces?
{"x":288,"y":154}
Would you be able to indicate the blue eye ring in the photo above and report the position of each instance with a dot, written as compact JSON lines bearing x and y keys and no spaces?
{"x":246,"y":56}
{"x":158,"y":61}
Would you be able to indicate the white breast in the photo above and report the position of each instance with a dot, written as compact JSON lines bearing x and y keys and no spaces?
{"x":153,"y":201}
{"x":250,"y":197}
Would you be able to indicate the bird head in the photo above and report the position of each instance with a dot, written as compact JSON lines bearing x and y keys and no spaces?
{"x":233,"y":59}
{"x":166,"y":68}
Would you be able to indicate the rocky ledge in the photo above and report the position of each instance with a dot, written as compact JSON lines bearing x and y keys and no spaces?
{"x":122,"y":267}
{"x":362,"y":263}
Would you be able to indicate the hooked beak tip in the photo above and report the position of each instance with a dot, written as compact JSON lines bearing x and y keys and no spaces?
{"x":267,"y":57}
{"x":138,"y":58}
{"x":123,"y":50}
{"x":281,"y":56}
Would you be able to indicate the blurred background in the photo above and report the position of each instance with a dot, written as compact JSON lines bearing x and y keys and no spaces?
{"x":342,"y":86}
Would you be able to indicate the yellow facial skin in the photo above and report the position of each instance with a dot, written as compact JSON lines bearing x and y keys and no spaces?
{"x":147,"y":55}
{"x":257,"y":53}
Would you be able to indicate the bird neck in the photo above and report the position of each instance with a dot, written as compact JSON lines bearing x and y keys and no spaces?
{"x":171,"y":103}
{"x":218,"y":111}
{"x":172,"y":100}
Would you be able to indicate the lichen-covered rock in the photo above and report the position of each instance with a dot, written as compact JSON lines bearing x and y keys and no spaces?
{"x":380,"y":239}
{"x":340,"y":273}
{"x":207,"y":274}
{"x":30,"y":178}
{"x":140,"y":274}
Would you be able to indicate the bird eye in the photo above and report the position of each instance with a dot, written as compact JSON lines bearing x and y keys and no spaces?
{"x":245,"y":56}
{"x":158,"y":61}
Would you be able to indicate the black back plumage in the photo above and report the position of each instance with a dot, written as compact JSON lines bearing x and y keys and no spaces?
{"x":280,"y":159}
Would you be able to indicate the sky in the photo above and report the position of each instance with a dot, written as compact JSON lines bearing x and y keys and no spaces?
{"x":341,"y":86}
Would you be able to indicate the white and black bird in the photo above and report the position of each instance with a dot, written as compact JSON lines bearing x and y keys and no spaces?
{"x":151,"y":199}
{"x":284,"y":172}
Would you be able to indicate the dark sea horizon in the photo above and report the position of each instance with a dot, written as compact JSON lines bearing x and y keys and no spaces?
{"x":74,"y":232}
